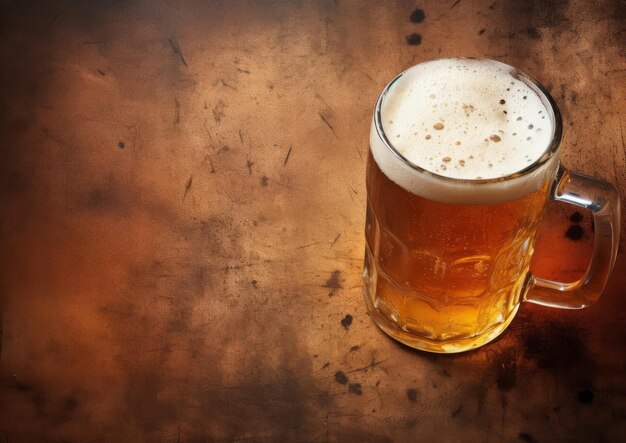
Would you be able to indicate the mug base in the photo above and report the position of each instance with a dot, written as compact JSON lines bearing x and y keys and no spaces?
{"x":450,"y":346}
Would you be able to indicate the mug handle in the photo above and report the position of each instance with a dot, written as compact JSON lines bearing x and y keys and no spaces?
{"x":602,"y":199}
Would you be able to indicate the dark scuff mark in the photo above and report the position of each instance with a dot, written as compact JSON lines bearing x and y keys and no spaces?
{"x":576,"y":217}
{"x":372,"y":365}
{"x":457,"y":411}
{"x":481,"y":32}
{"x":341,"y":378}
{"x":327,"y":364}
{"x":227,"y":85}
{"x":505,"y":365}
{"x":333,"y":281}
{"x":176,"y":48}
{"x":355,"y":348}
{"x":445,"y":373}
{"x":586,"y":396}
{"x":417,"y":16}
{"x":346,"y":321}
{"x":563,"y":98}
{"x":212,"y":167}
{"x":56,"y":16}
{"x":249,"y":165}
{"x":205,"y":127}
{"x":575,"y":232}
{"x":359,"y":152}
{"x":176,"y":111}
{"x":413,"y":395}
{"x":121,"y":144}
{"x":287,"y":156}
{"x":335,"y":240}
{"x":218,"y":112}
{"x":414,"y":39}
{"x":355,"y":388}
{"x":254,"y":284}
{"x":307,"y":246}
{"x":101,"y":72}
{"x":327,"y":124}
{"x":243,"y":71}
{"x":264,"y":181}
{"x":188,"y":186}
{"x":455,"y":3}
{"x":525,"y":436}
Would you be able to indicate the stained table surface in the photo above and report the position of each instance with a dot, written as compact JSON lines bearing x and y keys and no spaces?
{"x":181,"y":225}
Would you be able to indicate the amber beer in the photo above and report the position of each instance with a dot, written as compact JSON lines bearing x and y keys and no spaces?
{"x":457,"y":182}
{"x":445,"y":272}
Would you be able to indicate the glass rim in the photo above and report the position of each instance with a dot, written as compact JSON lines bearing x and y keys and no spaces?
{"x":544,"y":96}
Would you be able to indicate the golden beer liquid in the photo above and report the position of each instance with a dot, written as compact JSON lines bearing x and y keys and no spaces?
{"x":445,"y":277}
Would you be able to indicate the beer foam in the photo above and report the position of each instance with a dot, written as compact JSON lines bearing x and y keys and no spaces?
{"x":465,"y":119}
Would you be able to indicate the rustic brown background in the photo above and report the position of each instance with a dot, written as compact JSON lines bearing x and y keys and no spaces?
{"x":182,"y":201}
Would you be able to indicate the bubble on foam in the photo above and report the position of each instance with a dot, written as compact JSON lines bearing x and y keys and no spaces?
{"x":479,"y":121}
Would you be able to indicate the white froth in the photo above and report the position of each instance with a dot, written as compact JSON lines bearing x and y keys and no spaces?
{"x":464,"y":119}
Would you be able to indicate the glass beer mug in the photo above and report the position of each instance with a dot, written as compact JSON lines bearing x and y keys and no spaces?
{"x":464,"y":156}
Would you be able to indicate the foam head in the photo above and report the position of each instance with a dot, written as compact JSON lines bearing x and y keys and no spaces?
{"x":465,"y":119}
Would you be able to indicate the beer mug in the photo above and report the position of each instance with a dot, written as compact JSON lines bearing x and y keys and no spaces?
{"x":464,"y":156}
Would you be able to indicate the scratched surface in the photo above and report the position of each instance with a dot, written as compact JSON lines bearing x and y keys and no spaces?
{"x":181,"y":225}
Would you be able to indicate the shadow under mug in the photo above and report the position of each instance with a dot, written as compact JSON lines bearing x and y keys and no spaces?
{"x":436,"y":296}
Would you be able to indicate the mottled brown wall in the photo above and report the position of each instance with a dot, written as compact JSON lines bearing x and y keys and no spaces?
{"x":182,"y":200}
